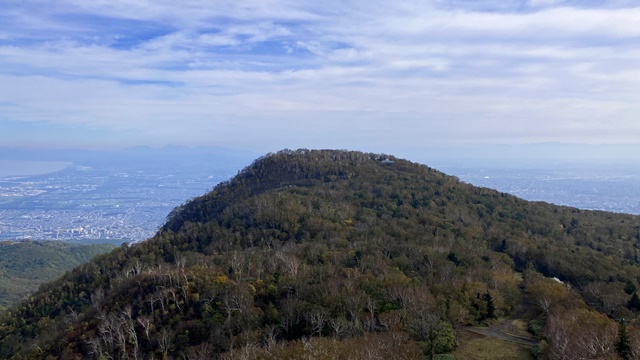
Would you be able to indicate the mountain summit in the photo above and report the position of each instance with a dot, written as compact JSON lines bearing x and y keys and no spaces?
{"x":341,"y":255}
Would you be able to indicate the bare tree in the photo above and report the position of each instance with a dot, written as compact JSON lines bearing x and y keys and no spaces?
{"x":165,"y":341}
{"x":370,"y":320}
{"x":580,"y":334}
{"x":291,"y":262}
{"x":203,"y":351}
{"x":338,"y":324}
{"x":318,"y":318}
{"x":145,"y":322}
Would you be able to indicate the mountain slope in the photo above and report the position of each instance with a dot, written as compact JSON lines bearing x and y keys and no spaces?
{"x":336,"y":254}
{"x":24,"y":265}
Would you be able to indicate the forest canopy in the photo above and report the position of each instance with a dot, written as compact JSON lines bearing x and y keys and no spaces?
{"x":25,"y":265}
{"x":331,"y":254}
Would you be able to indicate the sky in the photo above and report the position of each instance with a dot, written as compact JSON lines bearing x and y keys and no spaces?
{"x":266,"y":74}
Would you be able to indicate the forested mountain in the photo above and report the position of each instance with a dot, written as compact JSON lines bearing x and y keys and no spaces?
{"x":343,"y":255}
{"x":24,"y":265}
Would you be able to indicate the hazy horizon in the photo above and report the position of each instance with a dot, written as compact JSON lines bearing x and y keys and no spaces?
{"x":382,"y":76}
{"x":501,"y":156}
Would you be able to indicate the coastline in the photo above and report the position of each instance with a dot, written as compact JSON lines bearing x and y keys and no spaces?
{"x":19,"y":168}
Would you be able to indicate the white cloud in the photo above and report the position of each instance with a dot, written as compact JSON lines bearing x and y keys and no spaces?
{"x":544,"y":24}
{"x":544,"y":3}
{"x":388,"y":71}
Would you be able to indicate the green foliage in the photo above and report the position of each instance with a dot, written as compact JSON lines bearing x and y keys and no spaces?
{"x":634,"y":302}
{"x":446,"y":339}
{"x":535,"y":327}
{"x":329,"y":251}
{"x":623,"y":345}
{"x":629,"y":287}
{"x":24,"y":265}
{"x":537,"y":351}
{"x":491,"y":308}
{"x":444,"y":357}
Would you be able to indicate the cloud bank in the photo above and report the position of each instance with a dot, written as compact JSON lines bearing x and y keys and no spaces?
{"x":273,"y":74}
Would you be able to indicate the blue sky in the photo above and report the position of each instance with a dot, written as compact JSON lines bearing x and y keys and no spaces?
{"x":266,"y":74}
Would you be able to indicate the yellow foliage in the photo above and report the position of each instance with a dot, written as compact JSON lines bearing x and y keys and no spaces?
{"x":221,"y":279}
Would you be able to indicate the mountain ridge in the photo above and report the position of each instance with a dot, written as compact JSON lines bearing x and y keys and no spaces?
{"x":365,"y":249}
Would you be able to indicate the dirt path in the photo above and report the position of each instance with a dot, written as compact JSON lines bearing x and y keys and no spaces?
{"x":500,"y":335}
{"x":507,"y":329}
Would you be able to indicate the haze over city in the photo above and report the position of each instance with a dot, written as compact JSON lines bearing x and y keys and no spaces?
{"x":265,"y":75}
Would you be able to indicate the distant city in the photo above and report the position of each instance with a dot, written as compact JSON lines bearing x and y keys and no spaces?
{"x":123,"y":196}
{"x":83,"y":202}
{"x":129,"y":201}
{"x":607,"y":188}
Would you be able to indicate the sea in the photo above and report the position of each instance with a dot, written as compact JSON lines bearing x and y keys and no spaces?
{"x":11,"y":168}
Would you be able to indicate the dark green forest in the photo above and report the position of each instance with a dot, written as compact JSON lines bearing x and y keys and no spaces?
{"x":344,"y":255}
{"x":24,"y":265}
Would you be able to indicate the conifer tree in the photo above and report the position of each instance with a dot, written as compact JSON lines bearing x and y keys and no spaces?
{"x":634,"y":302}
{"x":623,"y":345}
{"x":491,"y":307}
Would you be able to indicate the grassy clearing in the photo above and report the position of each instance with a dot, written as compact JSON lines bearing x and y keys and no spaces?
{"x":479,"y":347}
{"x":521,"y":325}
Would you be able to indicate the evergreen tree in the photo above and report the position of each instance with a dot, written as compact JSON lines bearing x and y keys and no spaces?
{"x":623,"y":345}
{"x":630,"y":287}
{"x":634,"y":302}
{"x":491,"y":307}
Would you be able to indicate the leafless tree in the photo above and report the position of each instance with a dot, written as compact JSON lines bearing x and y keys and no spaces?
{"x":145,"y":322}
{"x":318,"y":318}
{"x":291,"y":262}
{"x":580,"y":334}
{"x":338,"y":324}
{"x":165,"y":341}
{"x":199,"y":352}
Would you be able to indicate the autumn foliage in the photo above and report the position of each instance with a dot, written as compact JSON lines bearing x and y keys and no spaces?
{"x":340,"y":255}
